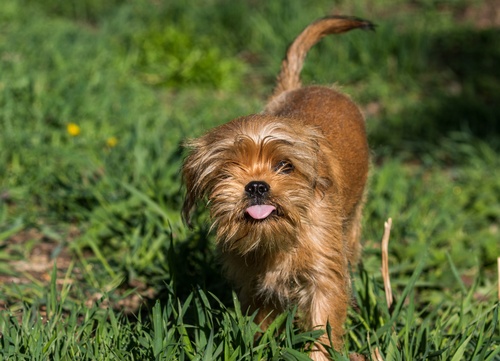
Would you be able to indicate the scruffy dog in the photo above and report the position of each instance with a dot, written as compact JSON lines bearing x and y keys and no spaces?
{"x":285,"y":190}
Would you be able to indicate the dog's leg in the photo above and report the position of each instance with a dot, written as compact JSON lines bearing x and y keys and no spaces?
{"x":352,"y":233}
{"x":265,"y":316}
{"x":265,"y":313}
{"x":328,"y":303}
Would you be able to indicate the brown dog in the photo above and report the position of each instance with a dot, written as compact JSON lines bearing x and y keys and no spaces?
{"x":285,"y":191}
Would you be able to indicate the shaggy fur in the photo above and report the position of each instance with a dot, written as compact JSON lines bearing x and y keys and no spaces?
{"x":285,"y":192}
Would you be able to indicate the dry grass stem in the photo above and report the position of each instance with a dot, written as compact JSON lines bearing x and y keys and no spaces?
{"x":385,"y":262}
{"x":376,"y":355}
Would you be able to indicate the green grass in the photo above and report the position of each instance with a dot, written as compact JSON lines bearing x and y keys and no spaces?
{"x":95,"y":262}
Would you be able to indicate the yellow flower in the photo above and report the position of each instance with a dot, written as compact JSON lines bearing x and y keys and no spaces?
{"x":112,"y":141}
{"x":73,"y":129}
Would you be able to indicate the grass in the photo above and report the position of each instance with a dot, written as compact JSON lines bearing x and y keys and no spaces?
{"x":95,"y":262}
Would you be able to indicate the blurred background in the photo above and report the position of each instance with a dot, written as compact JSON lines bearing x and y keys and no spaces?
{"x":97,"y":97}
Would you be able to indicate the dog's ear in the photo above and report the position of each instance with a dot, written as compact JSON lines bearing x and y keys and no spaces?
{"x":328,"y":170}
{"x":189,"y":199}
{"x":190,"y":176}
{"x":199,"y":172}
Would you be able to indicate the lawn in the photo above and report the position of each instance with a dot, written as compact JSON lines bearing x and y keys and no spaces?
{"x":96,"y":100}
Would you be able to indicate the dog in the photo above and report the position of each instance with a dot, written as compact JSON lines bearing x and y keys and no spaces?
{"x":285,"y":190}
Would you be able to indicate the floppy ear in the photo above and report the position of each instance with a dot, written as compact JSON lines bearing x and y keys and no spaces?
{"x":199,"y":171}
{"x":189,"y":199}
{"x":190,"y":174}
{"x":328,"y":169}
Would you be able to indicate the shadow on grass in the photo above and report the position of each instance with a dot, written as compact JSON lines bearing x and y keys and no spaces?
{"x":193,"y":263}
{"x":461,"y":94}
{"x":203,"y":267}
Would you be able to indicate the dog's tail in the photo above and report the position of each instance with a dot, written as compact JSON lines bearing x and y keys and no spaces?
{"x":289,"y":76}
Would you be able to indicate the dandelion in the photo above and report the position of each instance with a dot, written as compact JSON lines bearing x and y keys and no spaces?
{"x":73,"y":129}
{"x":111,"y":142}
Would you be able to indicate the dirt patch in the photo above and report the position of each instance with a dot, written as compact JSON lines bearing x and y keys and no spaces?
{"x":34,"y":258}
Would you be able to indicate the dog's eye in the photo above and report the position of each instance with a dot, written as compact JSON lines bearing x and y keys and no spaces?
{"x":284,"y":167}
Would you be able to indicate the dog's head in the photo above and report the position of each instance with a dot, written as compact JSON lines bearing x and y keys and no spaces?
{"x":261,"y":177}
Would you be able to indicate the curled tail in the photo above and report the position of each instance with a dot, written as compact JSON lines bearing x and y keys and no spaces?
{"x":289,"y":76}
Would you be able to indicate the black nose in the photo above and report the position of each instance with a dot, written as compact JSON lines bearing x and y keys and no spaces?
{"x":257,"y":189}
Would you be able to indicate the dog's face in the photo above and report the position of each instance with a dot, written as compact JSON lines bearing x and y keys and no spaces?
{"x":260,"y":176}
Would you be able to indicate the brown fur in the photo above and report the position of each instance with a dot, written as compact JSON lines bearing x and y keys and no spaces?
{"x":309,"y":147}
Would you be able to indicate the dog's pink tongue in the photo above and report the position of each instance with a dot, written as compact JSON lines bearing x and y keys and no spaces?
{"x":260,"y":211}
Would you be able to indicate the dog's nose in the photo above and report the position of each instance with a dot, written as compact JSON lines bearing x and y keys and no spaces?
{"x":257,"y":188}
